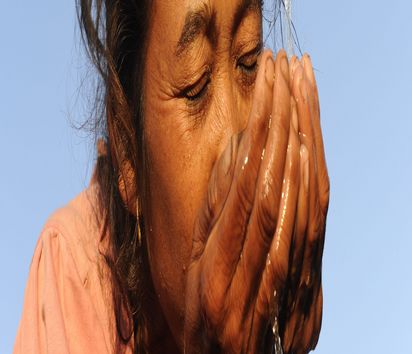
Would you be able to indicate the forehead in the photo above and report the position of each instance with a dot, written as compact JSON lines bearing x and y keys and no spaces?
{"x":176,"y":22}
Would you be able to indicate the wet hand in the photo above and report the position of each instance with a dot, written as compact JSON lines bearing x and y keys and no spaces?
{"x":303,"y":299}
{"x":256,"y":211}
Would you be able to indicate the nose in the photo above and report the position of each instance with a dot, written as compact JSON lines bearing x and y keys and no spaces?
{"x":231,"y":116}
{"x":234,"y":103}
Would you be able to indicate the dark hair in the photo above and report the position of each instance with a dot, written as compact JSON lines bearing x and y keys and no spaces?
{"x":114,"y":33}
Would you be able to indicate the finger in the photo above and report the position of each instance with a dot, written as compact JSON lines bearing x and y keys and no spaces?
{"x":299,"y":238}
{"x":322,"y":174}
{"x":300,"y":327}
{"x":323,"y":178}
{"x":311,"y":326}
{"x":265,"y":210}
{"x":300,"y":323}
{"x":226,"y":238}
{"x":292,"y":68}
{"x":300,"y":91}
{"x":311,"y":262}
{"x":276,"y":269}
{"x":318,"y":318}
{"x":292,"y":317}
{"x":290,"y":331}
{"x":218,"y":189}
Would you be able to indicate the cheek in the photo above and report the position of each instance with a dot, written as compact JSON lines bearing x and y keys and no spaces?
{"x":179,"y":166}
{"x":176,"y":170}
{"x":180,"y":162}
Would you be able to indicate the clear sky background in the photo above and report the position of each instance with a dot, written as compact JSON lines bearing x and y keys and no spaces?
{"x":362,"y":51}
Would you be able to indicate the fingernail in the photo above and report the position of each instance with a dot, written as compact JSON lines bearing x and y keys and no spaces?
{"x":311,"y":74}
{"x":307,"y":66}
{"x":304,"y":155}
{"x":302,"y":85}
{"x":284,"y":67}
{"x":292,"y":66}
{"x":229,"y":154}
{"x":297,"y":78}
{"x":269,"y":70}
{"x":295,"y":122}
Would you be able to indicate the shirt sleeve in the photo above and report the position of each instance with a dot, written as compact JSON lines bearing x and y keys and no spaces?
{"x":58,"y":313}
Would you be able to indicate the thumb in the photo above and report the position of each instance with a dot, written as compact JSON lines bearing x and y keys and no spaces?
{"x":219,"y":185}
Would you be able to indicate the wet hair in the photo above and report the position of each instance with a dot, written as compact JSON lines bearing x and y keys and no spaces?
{"x":114,"y":33}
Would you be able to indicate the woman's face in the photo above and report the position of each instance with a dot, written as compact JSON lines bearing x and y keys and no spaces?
{"x":199,"y":78}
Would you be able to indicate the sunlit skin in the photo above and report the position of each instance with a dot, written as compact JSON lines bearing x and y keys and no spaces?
{"x":238,"y":183}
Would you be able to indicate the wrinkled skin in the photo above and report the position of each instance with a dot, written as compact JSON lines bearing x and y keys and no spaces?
{"x":238,"y":186}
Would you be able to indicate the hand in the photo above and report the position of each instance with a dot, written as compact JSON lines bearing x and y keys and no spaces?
{"x":302,"y":315}
{"x":258,"y":207}
{"x":242,"y":238}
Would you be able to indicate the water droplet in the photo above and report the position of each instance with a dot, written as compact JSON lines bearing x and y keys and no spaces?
{"x":245,"y":162}
{"x":277,"y":345}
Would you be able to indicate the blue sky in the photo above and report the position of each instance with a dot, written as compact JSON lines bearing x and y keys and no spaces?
{"x":363,"y":54}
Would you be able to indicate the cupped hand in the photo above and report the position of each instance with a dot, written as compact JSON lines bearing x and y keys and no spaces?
{"x":250,"y":243}
{"x":303,"y":299}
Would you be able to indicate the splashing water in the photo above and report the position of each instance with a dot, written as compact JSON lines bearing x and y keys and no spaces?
{"x":286,"y":22}
{"x":277,"y":344}
{"x":288,"y":27}
{"x":278,"y":26}
{"x":278,"y":33}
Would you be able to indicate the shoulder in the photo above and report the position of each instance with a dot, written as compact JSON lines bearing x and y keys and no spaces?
{"x":67,"y":304}
{"x":75,"y":231}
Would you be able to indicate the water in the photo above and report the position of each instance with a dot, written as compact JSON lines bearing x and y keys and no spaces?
{"x":277,"y":344}
{"x":278,"y":33}
{"x":278,"y":26}
{"x":288,"y":27}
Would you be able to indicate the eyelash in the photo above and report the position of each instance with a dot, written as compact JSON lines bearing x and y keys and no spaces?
{"x":248,"y":66}
{"x":197,"y":91}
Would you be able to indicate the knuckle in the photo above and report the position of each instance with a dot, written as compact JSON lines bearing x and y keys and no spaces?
{"x":280,"y":267}
{"x":258,"y":129}
{"x":232,"y":339}
{"x":324,"y":194}
{"x":259,"y":114}
{"x":266,"y":210}
{"x":245,"y":196}
{"x":280,"y":123}
{"x":213,"y":197}
{"x":313,"y":238}
{"x":265,"y":296}
{"x":211,"y":301}
{"x":197,"y":248}
{"x":262,"y":300}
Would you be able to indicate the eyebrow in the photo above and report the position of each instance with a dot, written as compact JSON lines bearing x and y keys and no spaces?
{"x":202,"y":20}
{"x":244,"y":7}
{"x":198,"y":21}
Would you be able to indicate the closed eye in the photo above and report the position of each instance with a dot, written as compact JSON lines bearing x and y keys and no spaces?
{"x":247,"y":65}
{"x":248,"y":61}
{"x":197,"y":90}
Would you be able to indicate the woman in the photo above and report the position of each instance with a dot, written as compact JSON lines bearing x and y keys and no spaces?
{"x":203,"y":225}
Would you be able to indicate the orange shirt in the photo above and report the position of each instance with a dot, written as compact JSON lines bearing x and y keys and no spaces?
{"x":67,"y":304}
